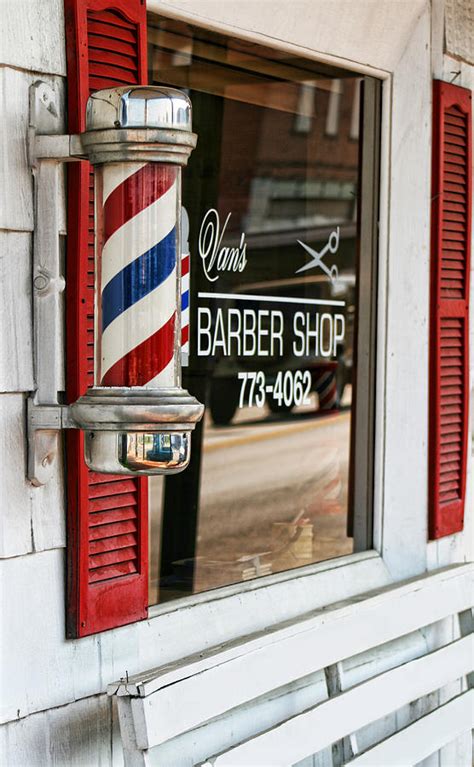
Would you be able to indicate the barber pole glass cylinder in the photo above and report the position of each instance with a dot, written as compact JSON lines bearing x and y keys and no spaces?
{"x":137,"y":272}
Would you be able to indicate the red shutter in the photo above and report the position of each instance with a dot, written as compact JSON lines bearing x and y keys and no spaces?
{"x":107,"y":514}
{"x":449,"y":347}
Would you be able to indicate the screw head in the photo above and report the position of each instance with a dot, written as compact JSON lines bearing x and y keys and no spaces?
{"x":41,"y":282}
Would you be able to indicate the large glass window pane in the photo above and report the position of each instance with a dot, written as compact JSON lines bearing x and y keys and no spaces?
{"x":272,"y":213}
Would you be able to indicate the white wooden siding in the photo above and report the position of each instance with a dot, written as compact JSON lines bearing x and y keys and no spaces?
{"x":407,"y":340}
{"x":16,"y":211}
{"x":78,"y":735}
{"x":16,"y":355}
{"x":459,"y":17}
{"x":33,"y":35}
{"x":31,"y":519}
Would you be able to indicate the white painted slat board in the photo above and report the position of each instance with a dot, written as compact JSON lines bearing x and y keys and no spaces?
{"x":31,"y":520}
{"x":177,"y":698}
{"x":422,"y":738}
{"x":16,"y":337}
{"x":69,"y":736}
{"x":33,"y":35}
{"x":16,"y":208}
{"x":337,"y":717}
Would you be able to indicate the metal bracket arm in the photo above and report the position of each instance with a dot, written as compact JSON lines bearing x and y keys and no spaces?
{"x":45,"y":423}
{"x":62,"y":148}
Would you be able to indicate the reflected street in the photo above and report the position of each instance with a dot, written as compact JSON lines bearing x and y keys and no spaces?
{"x":267,"y":484}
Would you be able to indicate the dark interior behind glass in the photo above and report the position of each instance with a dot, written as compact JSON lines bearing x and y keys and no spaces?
{"x":273,"y":197}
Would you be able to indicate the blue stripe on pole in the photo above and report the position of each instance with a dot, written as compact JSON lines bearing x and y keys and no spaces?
{"x":185,"y":300}
{"x":139,"y":278}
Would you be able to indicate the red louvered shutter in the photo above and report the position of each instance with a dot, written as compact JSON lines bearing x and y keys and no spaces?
{"x":449,"y":345}
{"x":107,"y":514}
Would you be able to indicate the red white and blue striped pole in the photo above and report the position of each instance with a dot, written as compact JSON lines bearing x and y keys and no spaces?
{"x":185,"y":287}
{"x":137,"y":312}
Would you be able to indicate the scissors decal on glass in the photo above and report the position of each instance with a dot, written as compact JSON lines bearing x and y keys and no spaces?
{"x":332,"y":245}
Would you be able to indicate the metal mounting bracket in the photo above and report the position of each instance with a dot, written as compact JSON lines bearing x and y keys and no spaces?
{"x":125,"y":427}
{"x":44,"y":424}
{"x":47,"y":149}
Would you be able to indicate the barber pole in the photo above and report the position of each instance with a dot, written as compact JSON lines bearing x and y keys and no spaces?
{"x":137,"y":418}
{"x":137,"y":211}
{"x":185,"y":285}
{"x":325,"y":385}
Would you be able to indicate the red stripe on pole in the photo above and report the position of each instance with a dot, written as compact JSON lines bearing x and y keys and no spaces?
{"x":144,"y":362}
{"x":184,"y":335}
{"x":137,"y":192}
{"x":184,"y":266}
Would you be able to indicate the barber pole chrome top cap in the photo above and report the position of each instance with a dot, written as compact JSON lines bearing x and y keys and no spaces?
{"x":136,"y":122}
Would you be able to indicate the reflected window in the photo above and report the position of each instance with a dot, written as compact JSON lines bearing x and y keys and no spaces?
{"x":280,"y":291}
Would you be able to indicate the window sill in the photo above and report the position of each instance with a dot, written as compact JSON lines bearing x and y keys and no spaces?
{"x":290,"y":593}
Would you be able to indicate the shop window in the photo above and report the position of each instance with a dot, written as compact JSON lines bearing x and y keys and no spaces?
{"x":280,"y":197}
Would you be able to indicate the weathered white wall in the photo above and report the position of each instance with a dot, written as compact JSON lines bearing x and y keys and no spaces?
{"x":53,"y":707}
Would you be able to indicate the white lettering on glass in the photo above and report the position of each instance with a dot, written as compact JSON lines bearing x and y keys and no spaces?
{"x":214,"y":257}
{"x":232,"y":332}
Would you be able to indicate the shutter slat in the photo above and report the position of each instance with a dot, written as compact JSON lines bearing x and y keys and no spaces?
{"x":114,"y":543}
{"x":453,"y":236}
{"x":455,"y":158}
{"x":118,"y":486}
{"x":453,"y":139}
{"x":455,"y":226}
{"x":458,"y":217}
{"x":110,"y":71}
{"x":125,"y":63}
{"x":100,"y":574}
{"x":452,"y":118}
{"x":112,"y":44}
{"x":100,"y":29}
{"x":453,"y":150}
{"x":112,"y":515}
{"x":455,"y":130}
{"x":457,"y":171}
{"x":107,"y":502}
{"x":113,"y":529}
{"x":113,"y":557}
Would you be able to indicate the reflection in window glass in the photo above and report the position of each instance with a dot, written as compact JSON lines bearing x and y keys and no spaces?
{"x":270,"y":195}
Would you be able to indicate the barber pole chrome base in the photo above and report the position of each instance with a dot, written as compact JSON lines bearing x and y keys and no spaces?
{"x":130,"y":431}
